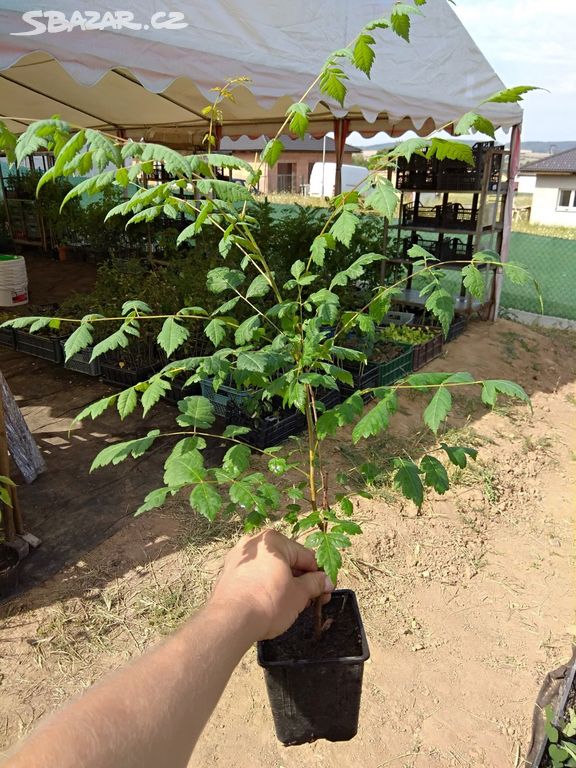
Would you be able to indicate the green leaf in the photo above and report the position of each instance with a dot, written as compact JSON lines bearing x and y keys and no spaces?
{"x":236,"y":459}
{"x":197,"y":412}
{"x":216,"y":331}
{"x":319,"y":246}
{"x":408,"y":148}
{"x":344,"y":227}
{"x":96,"y":409}
{"x":378,"y":418}
{"x":510,"y":94}
{"x":79,"y":340}
{"x":172,"y":336}
{"x":298,"y":114}
{"x":438,"y":408}
{"x":347,"y":526}
{"x":435,"y":475}
{"x":258,"y":287}
{"x":458,"y":454}
{"x":347,"y":506}
{"x":222,"y":279}
{"x":114,"y":454}
{"x":277,"y":465}
{"x":327,"y":555}
{"x":441,"y":304}
{"x":516,"y":273}
{"x":233,"y":431}
{"x":153,"y":500}
{"x":384,"y":197}
{"x":447,"y":149}
{"x":271,"y":152}
{"x":400,"y":19}
{"x":247,"y":330}
{"x":473,"y":281}
{"x":472,"y":120}
{"x":407,"y":480}
{"x":206,"y":500}
{"x":127,"y":402}
{"x":362,"y":53}
{"x":243,"y":494}
{"x":492,"y":387}
{"x":332,"y":82}
{"x":184,"y":469}
{"x":152,"y":394}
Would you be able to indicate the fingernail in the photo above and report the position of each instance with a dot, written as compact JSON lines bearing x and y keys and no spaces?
{"x":328,"y":586}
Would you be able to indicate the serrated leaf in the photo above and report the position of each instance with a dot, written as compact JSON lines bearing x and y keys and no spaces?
{"x":438,"y":408}
{"x":246,"y":330}
{"x":223,"y":278}
{"x":447,"y":149}
{"x":435,"y":475}
{"x":516,"y":273}
{"x":344,"y":227}
{"x":458,"y":454}
{"x":271,"y":152}
{"x":96,"y":409}
{"x":327,"y":555}
{"x":182,"y":469}
{"x":277,"y":465}
{"x":298,"y":114}
{"x":384,"y":198}
{"x":233,"y":431}
{"x":216,"y":331}
{"x":347,"y":526}
{"x":236,"y":459}
{"x":378,"y":418}
{"x":347,"y":506}
{"x":172,"y":336}
{"x":127,"y":402}
{"x":79,"y":340}
{"x":492,"y":387}
{"x":473,"y":281}
{"x":156,"y":388}
{"x":363,"y":54}
{"x":153,"y":500}
{"x":509,"y":95}
{"x":243,"y":494}
{"x":407,"y":480}
{"x":114,"y":454}
{"x":332,"y":83}
{"x":259,"y":287}
{"x":409,"y":147}
{"x":197,"y":412}
{"x":472,"y":120}
{"x":319,"y":246}
{"x":206,"y":500}
{"x":441,"y":304}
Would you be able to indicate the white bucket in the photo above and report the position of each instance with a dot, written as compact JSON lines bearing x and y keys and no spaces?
{"x":13,"y":281}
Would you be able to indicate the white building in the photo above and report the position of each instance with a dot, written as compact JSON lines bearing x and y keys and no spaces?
{"x":554,"y":199}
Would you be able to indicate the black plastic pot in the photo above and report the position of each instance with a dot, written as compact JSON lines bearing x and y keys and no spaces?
{"x":45,"y":347}
{"x":7,"y":338}
{"x":9,"y":566}
{"x":178,"y":391}
{"x":314,"y":688}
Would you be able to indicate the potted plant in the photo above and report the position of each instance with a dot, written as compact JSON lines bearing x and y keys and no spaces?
{"x":290,"y":338}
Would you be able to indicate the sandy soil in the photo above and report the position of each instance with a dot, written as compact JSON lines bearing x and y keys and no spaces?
{"x":466,"y":605}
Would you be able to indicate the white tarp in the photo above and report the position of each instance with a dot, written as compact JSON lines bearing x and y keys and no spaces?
{"x":159,"y":77}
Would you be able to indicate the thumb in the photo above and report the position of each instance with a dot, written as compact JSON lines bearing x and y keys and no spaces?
{"x":315,"y":583}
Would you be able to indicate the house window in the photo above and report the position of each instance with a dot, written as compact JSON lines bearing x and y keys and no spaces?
{"x":286,"y":177}
{"x":566,"y":199}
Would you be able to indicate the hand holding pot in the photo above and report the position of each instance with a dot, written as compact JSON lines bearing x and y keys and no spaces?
{"x":271,"y":579}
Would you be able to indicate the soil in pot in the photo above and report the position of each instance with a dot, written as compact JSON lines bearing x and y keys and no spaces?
{"x":314,"y":686}
{"x":9,"y":565}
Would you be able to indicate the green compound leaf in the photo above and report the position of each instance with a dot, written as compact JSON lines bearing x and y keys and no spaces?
{"x":492,"y":387}
{"x":153,"y":500}
{"x":472,"y":120}
{"x":197,"y":411}
{"x":437,"y":409}
{"x":272,"y":151}
{"x":378,"y":418}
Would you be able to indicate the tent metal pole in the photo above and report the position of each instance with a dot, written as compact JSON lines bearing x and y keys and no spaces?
{"x":341,"y":130}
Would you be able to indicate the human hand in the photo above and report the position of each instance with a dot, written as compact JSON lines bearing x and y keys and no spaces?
{"x":272,"y":579}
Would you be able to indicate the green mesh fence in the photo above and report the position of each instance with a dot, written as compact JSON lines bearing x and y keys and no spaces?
{"x":552,"y":262}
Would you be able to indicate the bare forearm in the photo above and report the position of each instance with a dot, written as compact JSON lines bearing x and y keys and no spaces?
{"x":155,"y":708}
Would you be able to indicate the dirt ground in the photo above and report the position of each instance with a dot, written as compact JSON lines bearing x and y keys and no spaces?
{"x":466,"y":605}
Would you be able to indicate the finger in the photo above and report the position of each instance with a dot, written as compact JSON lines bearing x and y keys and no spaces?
{"x":315,"y":584}
{"x":300,"y":558}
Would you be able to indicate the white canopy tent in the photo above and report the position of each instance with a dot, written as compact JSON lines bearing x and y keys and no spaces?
{"x":153,"y":83}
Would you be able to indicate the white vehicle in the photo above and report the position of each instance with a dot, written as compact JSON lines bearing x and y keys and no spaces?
{"x":323,"y":177}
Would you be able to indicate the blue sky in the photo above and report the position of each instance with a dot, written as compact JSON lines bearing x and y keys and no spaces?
{"x":530,"y":42}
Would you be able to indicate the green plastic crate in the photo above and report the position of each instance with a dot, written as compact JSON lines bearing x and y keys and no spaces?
{"x":395,"y":369}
